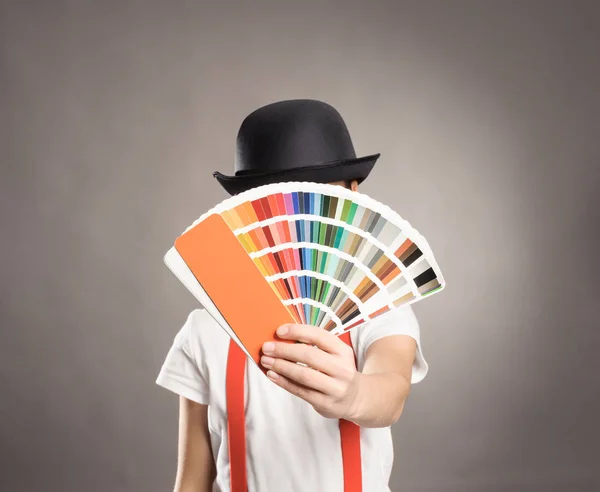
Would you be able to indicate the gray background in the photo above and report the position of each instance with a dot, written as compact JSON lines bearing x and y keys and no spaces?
{"x":114,"y":114}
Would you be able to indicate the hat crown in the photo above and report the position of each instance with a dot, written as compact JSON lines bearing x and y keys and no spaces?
{"x":291,"y":134}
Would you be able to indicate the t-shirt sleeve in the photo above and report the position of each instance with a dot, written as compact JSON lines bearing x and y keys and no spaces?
{"x":399,"y":321}
{"x":180,"y":372}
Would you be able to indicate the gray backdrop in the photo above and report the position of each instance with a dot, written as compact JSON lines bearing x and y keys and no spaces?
{"x":114,"y":114}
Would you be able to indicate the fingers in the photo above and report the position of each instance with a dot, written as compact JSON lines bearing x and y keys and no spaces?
{"x":308,"y":394}
{"x":305,"y":354}
{"x":303,"y":378}
{"x":321,"y":370}
{"x":314,"y":336}
{"x":308,"y":355}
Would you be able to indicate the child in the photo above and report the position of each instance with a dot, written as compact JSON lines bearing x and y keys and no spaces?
{"x":294,"y":418}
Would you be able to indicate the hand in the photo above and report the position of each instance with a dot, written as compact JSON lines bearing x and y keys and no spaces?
{"x":330,"y":381}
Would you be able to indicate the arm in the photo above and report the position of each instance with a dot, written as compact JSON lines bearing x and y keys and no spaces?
{"x":329,"y":380}
{"x":384,"y":384}
{"x":195,"y":467}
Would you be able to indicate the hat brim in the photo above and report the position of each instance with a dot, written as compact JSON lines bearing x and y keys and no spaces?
{"x":328,"y":172}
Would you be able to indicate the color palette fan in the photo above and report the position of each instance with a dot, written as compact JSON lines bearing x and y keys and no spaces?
{"x":307,"y":253}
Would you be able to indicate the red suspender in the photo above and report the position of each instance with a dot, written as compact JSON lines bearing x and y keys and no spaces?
{"x":350,"y":435}
{"x":235,"y":382}
{"x":236,"y":419}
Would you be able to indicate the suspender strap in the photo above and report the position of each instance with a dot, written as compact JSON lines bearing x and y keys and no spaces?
{"x":235,"y":379}
{"x":350,"y":436}
{"x":236,"y":428}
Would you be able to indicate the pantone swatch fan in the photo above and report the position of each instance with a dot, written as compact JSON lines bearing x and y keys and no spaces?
{"x":305,"y":253}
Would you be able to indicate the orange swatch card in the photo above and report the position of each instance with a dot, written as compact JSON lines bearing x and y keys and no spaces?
{"x":233,"y":282}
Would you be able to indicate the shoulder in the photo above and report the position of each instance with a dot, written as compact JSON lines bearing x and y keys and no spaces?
{"x":200,"y":325}
{"x":403,"y":315}
{"x":199,"y":333}
{"x":398,"y":321}
{"x":198,"y":318}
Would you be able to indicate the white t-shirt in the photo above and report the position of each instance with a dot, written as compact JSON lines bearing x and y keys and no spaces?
{"x":290,"y":447}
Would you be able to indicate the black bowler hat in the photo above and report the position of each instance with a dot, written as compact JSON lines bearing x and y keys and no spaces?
{"x":295,"y":140}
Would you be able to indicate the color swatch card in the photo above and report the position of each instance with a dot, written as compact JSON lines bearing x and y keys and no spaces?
{"x":306,"y":253}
